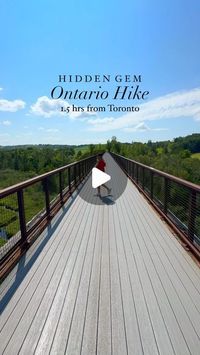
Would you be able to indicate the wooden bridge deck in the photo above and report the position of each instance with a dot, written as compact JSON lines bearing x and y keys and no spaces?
{"x":103,"y":279}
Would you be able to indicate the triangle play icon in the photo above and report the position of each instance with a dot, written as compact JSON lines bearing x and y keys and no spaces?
{"x":99,"y":178}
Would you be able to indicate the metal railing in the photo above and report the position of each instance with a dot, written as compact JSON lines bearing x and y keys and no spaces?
{"x":176,"y":199}
{"x":26,"y":208}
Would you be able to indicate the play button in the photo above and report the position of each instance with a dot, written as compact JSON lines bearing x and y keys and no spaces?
{"x":99,"y":178}
{"x":103,"y":188}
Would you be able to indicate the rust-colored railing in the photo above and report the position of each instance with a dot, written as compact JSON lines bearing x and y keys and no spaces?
{"x":176,"y":199}
{"x":26,"y":208}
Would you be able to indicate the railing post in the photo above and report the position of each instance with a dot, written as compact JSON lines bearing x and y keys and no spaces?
{"x":137,"y":174}
{"x":122,"y":163}
{"x":143,"y":178}
{"x":47,"y":199}
{"x":69,"y":178}
{"x":75,"y":175}
{"x":192,"y":215}
{"x":131,"y":169}
{"x":166,"y":192}
{"x":151,"y":185}
{"x":79,"y":172}
{"x":133,"y":172}
{"x":83,"y":169}
{"x":61,"y":185}
{"x":22,"y":219}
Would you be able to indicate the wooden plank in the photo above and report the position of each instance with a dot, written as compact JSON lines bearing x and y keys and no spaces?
{"x":90,"y":331}
{"x":51,"y":320}
{"x":175,"y":302}
{"x":182,"y":282}
{"x":26,"y":261}
{"x":77,"y":322}
{"x":53,"y":295}
{"x":60,"y":339}
{"x":169,"y":244}
{"x":172,"y":325}
{"x":134,"y":345}
{"x":187,"y":282}
{"x":119,"y":339}
{"x":34,"y":254}
{"x":146,"y":331}
{"x":40,"y":276}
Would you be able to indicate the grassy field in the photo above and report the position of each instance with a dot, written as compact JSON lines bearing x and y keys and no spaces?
{"x":83,"y":149}
{"x":34,"y":201}
{"x":10,"y":177}
{"x":196,"y":156}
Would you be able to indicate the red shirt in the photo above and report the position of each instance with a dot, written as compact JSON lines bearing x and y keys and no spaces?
{"x":101,"y":165}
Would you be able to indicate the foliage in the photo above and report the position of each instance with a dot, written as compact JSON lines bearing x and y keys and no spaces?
{"x":174,"y":157}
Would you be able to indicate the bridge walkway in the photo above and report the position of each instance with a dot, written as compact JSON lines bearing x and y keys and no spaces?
{"x":106,"y":277}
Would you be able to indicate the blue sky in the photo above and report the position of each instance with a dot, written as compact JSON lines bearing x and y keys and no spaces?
{"x":156,"y":39}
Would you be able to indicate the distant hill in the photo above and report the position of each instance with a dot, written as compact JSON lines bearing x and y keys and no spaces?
{"x":55,"y":146}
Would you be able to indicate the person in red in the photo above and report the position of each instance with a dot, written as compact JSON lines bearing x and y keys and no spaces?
{"x":101,"y":166}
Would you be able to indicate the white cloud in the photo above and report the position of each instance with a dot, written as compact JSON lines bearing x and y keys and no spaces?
{"x":174,"y":105}
{"x":48,"y":130}
{"x":6,"y":123}
{"x":142,"y":127}
{"x":1,"y":89}
{"x":11,"y":106}
{"x":52,"y":130}
{"x":83,"y":116}
{"x":46,"y":107}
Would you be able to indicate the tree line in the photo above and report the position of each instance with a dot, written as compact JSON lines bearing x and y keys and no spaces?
{"x":175,"y":157}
